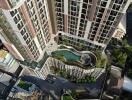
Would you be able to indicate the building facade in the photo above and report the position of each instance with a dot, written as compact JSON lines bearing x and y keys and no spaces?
{"x":89,"y":22}
{"x":120,"y":32}
{"x":28,"y":26}
{"x":7,"y":64}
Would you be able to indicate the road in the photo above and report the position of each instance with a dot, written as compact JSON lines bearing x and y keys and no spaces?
{"x":54,"y":89}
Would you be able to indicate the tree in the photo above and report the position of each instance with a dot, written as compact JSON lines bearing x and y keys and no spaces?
{"x":65,"y":41}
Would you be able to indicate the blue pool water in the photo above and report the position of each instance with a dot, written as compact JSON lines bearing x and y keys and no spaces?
{"x":67,"y":54}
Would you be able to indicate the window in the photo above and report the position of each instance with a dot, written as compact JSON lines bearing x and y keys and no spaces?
{"x":40,"y":4}
{"x":84,"y":11}
{"x":23,"y":31}
{"x":34,"y":18}
{"x":83,"y":16}
{"x":74,"y":3}
{"x":107,"y":27}
{"x":90,"y":1}
{"x":20,"y":25}
{"x":111,"y":18}
{"x":28,"y":40}
{"x":98,"y":20}
{"x":41,"y":10}
{"x":119,"y":1}
{"x":93,"y":32}
{"x":86,"y":1}
{"x":97,"y":24}
{"x":95,"y":28}
{"x":108,"y":23}
{"x":16,"y":19}
{"x":99,"y":15}
{"x":26,"y":36}
{"x":101,"y":10}
{"x":103,"y":4}
{"x":58,"y":0}
{"x":84,"y":6}
{"x":13,"y":12}
{"x":58,"y":4}
{"x":30,"y":5}
{"x":114,"y":13}
{"x":116,"y":7}
{"x":32,"y":11}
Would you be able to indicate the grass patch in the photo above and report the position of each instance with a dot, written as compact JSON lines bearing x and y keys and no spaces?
{"x":24,"y":85}
{"x":67,"y":97}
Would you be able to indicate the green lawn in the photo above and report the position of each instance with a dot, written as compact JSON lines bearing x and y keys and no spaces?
{"x":67,"y":97}
{"x":24,"y":85}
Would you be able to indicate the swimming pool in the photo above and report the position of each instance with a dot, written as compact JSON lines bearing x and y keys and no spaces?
{"x":68,"y":55}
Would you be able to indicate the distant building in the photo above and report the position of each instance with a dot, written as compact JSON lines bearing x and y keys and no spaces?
{"x":120,"y":32}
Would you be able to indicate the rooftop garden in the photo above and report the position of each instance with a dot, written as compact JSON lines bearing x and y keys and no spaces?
{"x":79,"y":44}
{"x":66,"y":74}
{"x":67,"y":97}
{"x":121,"y":54}
{"x":24,"y":85}
{"x":72,"y":57}
{"x":120,"y":50}
{"x":101,"y":59}
{"x":80,"y":94}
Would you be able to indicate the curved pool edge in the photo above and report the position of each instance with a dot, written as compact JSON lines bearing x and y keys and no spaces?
{"x":80,"y":52}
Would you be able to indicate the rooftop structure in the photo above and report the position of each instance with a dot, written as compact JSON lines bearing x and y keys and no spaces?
{"x":59,"y":44}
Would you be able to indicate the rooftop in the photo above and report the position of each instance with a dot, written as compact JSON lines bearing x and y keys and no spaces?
{"x":3,"y":53}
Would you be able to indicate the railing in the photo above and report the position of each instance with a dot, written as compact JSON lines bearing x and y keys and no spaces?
{"x":74,"y":70}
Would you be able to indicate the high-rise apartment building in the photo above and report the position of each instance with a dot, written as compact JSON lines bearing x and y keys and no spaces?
{"x":90,"y":22}
{"x":25,"y":27}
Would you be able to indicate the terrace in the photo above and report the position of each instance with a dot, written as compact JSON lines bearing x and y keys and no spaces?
{"x":72,"y":57}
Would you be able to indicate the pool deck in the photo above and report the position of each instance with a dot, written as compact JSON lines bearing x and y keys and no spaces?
{"x":69,"y":55}
{"x":77,"y":53}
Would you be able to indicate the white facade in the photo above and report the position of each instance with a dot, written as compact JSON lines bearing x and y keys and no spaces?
{"x":121,"y":29}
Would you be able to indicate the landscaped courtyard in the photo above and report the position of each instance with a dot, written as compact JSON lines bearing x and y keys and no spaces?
{"x":71,"y":57}
{"x":66,"y":97}
{"x":74,"y":79}
{"x":66,"y":55}
{"x":24,"y":85}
